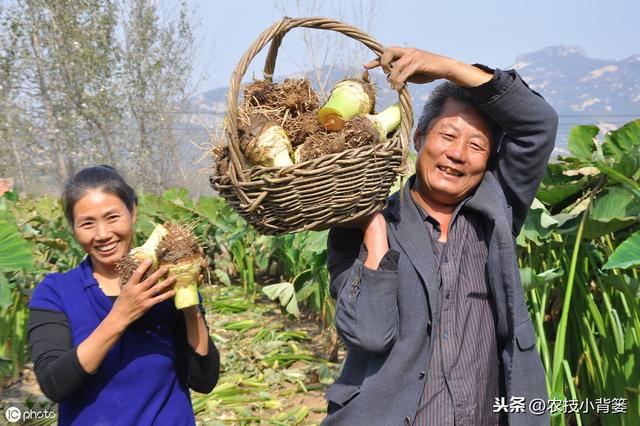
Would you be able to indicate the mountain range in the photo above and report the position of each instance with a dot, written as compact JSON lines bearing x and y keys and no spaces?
{"x":583,"y":90}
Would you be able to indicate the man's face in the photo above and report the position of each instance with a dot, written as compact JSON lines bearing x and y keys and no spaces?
{"x":453,"y":155}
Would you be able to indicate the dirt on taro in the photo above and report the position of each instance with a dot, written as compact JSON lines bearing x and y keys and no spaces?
{"x":274,"y":370}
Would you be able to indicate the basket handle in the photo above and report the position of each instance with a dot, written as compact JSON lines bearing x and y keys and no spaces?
{"x":275,"y":34}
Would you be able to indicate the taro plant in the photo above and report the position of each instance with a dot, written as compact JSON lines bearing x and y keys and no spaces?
{"x":578,"y":253}
{"x":300,"y":261}
{"x":15,"y":257}
{"x":34,"y":240}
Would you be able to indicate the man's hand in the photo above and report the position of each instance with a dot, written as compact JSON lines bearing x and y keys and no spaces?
{"x":406,"y":64}
{"x":375,"y":239}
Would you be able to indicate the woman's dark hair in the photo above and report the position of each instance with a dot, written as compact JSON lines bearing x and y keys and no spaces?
{"x":104,"y":178}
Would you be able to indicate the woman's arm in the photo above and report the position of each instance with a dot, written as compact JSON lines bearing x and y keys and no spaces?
{"x":197,"y":333}
{"x":197,"y":356}
{"x":55,"y":362}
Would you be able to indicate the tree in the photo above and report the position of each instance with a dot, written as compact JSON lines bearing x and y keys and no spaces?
{"x":328,"y":52}
{"x":69,"y":75}
{"x":156,"y":68}
{"x":11,"y":66}
{"x":90,"y":82}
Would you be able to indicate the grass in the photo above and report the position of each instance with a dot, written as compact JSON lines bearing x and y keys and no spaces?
{"x":274,"y":370}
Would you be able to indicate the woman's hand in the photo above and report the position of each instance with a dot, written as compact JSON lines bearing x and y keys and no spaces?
{"x":406,"y":64}
{"x":137,"y":296}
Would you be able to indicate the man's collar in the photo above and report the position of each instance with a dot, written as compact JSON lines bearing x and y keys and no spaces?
{"x":424,"y":214}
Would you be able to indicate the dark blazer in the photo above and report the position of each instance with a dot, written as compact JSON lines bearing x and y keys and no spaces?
{"x":386,"y":317}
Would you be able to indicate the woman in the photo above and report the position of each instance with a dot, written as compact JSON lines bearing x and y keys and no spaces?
{"x":110,"y":354}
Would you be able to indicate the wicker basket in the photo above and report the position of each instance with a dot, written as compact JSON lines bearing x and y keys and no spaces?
{"x":319,"y":193}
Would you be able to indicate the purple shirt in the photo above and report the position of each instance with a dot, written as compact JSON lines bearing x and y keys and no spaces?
{"x":137,"y":382}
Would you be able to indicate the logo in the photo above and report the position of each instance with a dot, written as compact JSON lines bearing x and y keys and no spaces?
{"x":13,"y":414}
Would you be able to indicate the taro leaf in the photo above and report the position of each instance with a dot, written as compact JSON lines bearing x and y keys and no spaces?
{"x":615,"y":202}
{"x":626,"y":255}
{"x":316,"y":242}
{"x":5,"y":292}
{"x":210,"y":208}
{"x":48,"y":208}
{"x":11,"y":195}
{"x":531,"y":280}
{"x":538,"y":225}
{"x":222,"y":277}
{"x":179,"y":197}
{"x":615,"y":208}
{"x":15,"y":252}
{"x":557,"y":186}
{"x":286,"y":294}
{"x":621,"y":142}
{"x":617,"y":176}
{"x":581,"y":141}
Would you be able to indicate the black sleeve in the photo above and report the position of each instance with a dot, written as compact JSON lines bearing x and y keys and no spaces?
{"x":199,"y":372}
{"x":55,"y":361}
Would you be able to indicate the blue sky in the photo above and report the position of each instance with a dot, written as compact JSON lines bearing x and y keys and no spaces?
{"x":490,"y":31}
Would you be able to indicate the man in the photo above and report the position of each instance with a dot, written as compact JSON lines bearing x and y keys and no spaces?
{"x":429,"y":300}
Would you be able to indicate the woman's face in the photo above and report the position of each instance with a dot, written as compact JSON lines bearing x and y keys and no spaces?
{"x":103,"y":226}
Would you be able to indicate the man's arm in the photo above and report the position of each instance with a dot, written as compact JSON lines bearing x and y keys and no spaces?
{"x":529,"y":123}
{"x":366,"y":311}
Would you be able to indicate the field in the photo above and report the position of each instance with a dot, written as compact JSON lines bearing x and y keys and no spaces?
{"x":271,"y":315}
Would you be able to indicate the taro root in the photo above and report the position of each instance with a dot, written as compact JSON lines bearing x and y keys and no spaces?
{"x":274,"y":118}
{"x":294,"y":96}
{"x":264,"y":142}
{"x":348,"y":98}
{"x":130,"y":262}
{"x":300,"y":127}
{"x":173,"y":246}
{"x":320,"y":144}
{"x":371,"y":129}
{"x":359,"y":131}
{"x":179,"y":250}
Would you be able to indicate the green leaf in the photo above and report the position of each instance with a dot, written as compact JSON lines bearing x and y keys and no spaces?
{"x":556,"y":186}
{"x":538,"y":225}
{"x":286,"y":294}
{"x":5,"y":292}
{"x":617,"y":176}
{"x":581,"y":141}
{"x":621,"y":142}
{"x":626,"y":255}
{"x":614,"y":202}
{"x":15,"y":252}
{"x":531,"y":280}
{"x":210,"y":208}
{"x":613,"y":209}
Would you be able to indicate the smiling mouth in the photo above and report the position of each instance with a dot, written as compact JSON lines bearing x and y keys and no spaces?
{"x":107,"y":248}
{"x":450,"y":171}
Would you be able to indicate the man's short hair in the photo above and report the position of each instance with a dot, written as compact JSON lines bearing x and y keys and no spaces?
{"x":435,"y":104}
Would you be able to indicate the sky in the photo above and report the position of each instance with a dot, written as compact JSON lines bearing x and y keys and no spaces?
{"x":491,"y":32}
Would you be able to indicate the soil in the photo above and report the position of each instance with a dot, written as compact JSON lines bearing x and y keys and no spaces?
{"x":321,"y":143}
{"x":127,"y":266}
{"x":179,"y":244}
{"x":294,"y":96}
{"x":300,"y":127}
{"x":360,"y":131}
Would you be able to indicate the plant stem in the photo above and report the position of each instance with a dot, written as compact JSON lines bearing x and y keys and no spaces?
{"x":559,"y":347}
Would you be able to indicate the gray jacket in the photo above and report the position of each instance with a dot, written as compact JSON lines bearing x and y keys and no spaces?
{"x":386,"y":317}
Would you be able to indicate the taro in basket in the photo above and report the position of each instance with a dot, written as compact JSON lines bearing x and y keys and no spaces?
{"x":338,"y":175}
